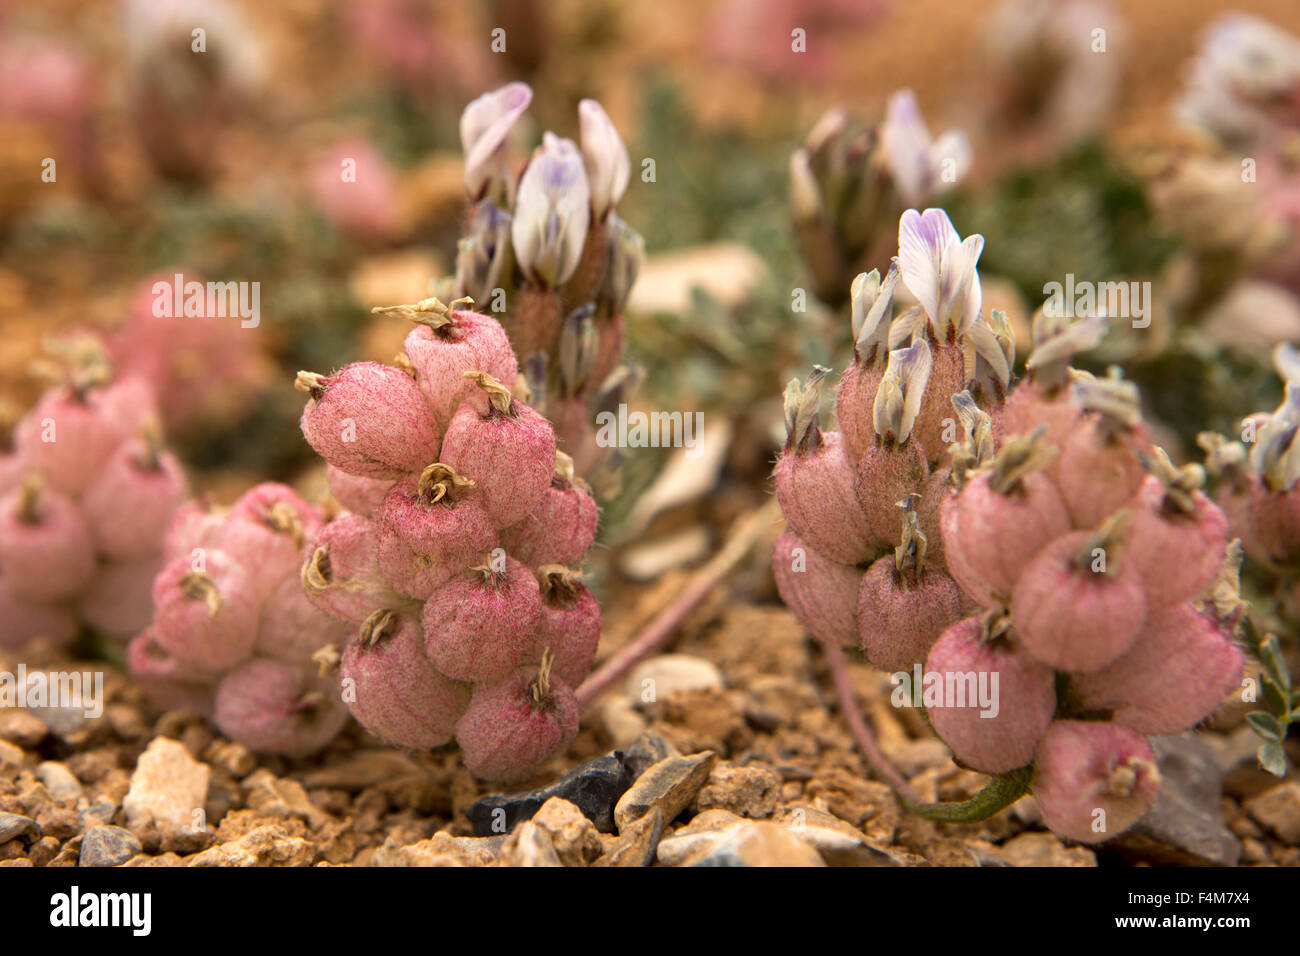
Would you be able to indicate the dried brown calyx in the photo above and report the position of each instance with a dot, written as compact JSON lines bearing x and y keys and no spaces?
{"x":1100,"y":554}
{"x":1180,"y":484}
{"x":500,"y":398}
{"x":311,"y":383}
{"x":379,"y":626}
{"x":432,"y":311}
{"x":802,"y":401}
{"x":197,"y":586}
{"x":1020,"y":457}
{"x":909,"y":555}
{"x":440,"y":482}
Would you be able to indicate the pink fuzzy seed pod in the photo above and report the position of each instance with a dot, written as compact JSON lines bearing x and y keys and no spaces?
{"x":341,"y":573}
{"x":448,"y":344}
{"x":45,"y":547}
{"x":507,"y":449}
{"x":1181,"y":668}
{"x":513,"y":725}
{"x":1272,"y":527}
{"x":369,"y":420}
{"x":393,"y":690}
{"x":1178,"y":540}
{"x":129,"y":506}
{"x":562,"y":528}
{"x":165,"y":681}
{"x":998,"y":733}
{"x":431,"y":528}
{"x":947,"y":378}
{"x":901,"y":614}
{"x":21,"y":621}
{"x":822,"y":594}
{"x":1080,"y":603}
{"x":570,"y":624}
{"x":1003,"y":517}
{"x":266,"y":530}
{"x":271,"y":707}
{"x":1098,"y":475}
{"x":1093,"y":781}
{"x":854,"y":401}
{"x":481,"y":624}
{"x":206,"y":618}
{"x":886,"y":475}
{"x":360,"y":495}
{"x":293,"y":628}
{"x":67,"y":437}
{"x":194,"y":525}
{"x":119,"y":601}
{"x":815,"y":488}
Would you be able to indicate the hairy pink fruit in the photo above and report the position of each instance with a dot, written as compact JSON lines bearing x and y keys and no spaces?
{"x":1093,"y":780}
{"x":1073,"y":617}
{"x":481,"y":624}
{"x":513,"y":725}
{"x":507,"y":449}
{"x":206,"y":618}
{"x":947,"y":378}
{"x":570,"y":625}
{"x":446,"y":347}
{"x":119,"y":601}
{"x":1099,"y":475}
{"x":1272,"y":527}
{"x":815,"y":487}
{"x":1181,"y":668}
{"x":45,"y":547}
{"x":129,"y":506}
{"x":1002,"y":518}
{"x":293,"y":628}
{"x":194,"y":525}
{"x":561,"y":529}
{"x":854,"y":401}
{"x":393,"y":690}
{"x":369,"y":420}
{"x":358,"y":494}
{"x":886,"y":475}
{"x":21,"y":621}
{"x":1177,"y":541}
{"x":822,"y":593}
{"x":431,"y":528}
{"x":901,"y":614}
{"x":274,"y":708}
{"x":67,"y":437}
{"x":266,"y":529}
{"x":168,"y":683}
{"x":341,"y":574}
{"x":1023,"y":698}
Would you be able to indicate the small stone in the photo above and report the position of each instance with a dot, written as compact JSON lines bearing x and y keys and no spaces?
{"x":660,"y":677}
{"x":59,"y":780}
{"x":623,"y":723}
{"x":21,"y":728}
{"x":43,"y":851}
{"x":576,"y":841}
{"x":756,"y":843}
{"x":1253,"y":851}
{"x":107,"y":846}
{"x":593,"y":787}
{"x":11,"y":756}
{"x":839,"y":843}
{"x":167,"y":788}
{"x":97,"y":813}
{"x":1044,"y":849}
{"x":269,"y":845}
{"x":1184,"y":827}
{"x":441,"y":849}
{"x":126,"y":721}
{"x":1279,"y":811}
{"x":61,"y":822}
{"x":637,"y":844}
{"x":529,"y":845}
{"x":276,"y":797}
{"x":746,"y":791}
{"x":13,"y":825}
{"x":646,"y":751}
{"x":234,"y":758}
{"x":671,"y":785}
{"x":363,"y":769}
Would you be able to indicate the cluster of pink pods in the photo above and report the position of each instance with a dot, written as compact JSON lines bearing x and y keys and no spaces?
{"x":1041,"y":597}
{"x":455,"y":561}
{"x":233,"y":635}
{"x":86,"y":495}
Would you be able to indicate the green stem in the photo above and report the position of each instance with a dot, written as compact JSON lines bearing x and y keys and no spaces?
{"x":999,"y":794}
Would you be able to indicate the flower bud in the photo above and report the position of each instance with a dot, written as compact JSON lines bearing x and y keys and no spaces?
{"x":395,"y":692}
{"x":484,"y":126}
{"x":1093,"y":781}
{"x":481,"y":624}
{"x":552,"y":212}
{"x":513,"y":725}
{"x":271,"y":707}
{"x":369,"y":420}
{"x":997,"y":701}
{"x":604,"y":156}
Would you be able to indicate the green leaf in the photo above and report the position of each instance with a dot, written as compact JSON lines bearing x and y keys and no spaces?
{"x":1266,"y":725}
{"x":1270,"y":655}
{"x":1274,"y":697}
{"x":1273,"y":758}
